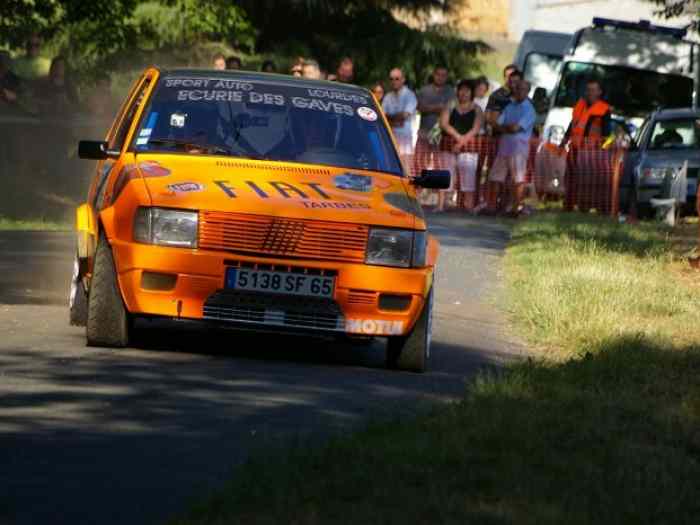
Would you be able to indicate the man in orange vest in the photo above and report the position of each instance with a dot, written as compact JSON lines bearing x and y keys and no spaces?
{"x":591,"y":117}
{"x":590,"y":123}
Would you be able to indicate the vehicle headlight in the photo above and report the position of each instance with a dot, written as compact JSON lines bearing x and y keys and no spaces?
{"x":166,"y":227}
{"x":555,"y":135}
{"x":401,"y":248}
{"x":653,"y":174}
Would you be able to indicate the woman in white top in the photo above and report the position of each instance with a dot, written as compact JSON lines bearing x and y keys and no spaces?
{"x":461,"y":122}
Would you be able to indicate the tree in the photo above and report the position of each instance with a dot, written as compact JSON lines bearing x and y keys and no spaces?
{"x":105,"y":23}
{"x":677,"y":8}
{"x":366,"y":30}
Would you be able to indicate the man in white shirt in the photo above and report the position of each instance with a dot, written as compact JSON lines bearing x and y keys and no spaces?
{"x":400,"y":107}
{"x":514,"y":126}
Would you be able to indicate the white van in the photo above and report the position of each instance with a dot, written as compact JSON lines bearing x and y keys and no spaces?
{"x":539,"y":57}
{"x":641,"y":67}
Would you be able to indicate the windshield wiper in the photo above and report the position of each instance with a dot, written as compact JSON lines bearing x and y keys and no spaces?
{"x":211,"y":148}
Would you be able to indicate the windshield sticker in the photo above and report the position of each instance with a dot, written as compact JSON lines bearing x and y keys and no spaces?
{"x":151,"y":123}
{"x":338,"y":95}
{"x":353,"y":182}
{"x":320,"y":105}
{"x":177,"y":120}
{"x":142,"y":141}
{"x":235,"y":85}
{"x":265,"y":98}
{"x":186,"y":187}
{"x":367,"y":114}
{"x":146,"y":132}
{"x":217,"y":95}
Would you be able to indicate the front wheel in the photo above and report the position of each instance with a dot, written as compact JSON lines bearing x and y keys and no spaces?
{"x":107,"y":320}
{"x":77,"y":301}
{"x":412,"y":352}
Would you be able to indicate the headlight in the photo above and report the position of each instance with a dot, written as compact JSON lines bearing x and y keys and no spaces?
{"x":401,"y":248}
{"x":555,"y":135}
{"x":166,"y":227}
{"x":653,"y":174}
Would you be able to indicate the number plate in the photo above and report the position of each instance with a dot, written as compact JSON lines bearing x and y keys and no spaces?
{"x":279,"y":282}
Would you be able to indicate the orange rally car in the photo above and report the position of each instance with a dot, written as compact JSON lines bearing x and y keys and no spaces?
{"x":259,"y":202}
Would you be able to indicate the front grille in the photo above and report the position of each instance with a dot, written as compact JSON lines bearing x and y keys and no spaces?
{"x":275,"y":311}
{"x":289,"y":268}
{"x":282,"y":237}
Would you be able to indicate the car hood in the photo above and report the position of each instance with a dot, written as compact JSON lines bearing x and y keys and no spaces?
{"x":281,"y":189}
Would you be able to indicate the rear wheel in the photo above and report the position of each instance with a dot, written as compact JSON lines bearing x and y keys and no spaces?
{"x":412,"y":352}
{"x":107,"y":319}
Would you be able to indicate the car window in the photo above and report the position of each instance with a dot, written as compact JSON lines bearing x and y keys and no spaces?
{"x":677,"y":133}
{"x":640,"y":135}
{"x":267,"y":120}
{"x":542,"y":70}
{"x":117,"y":141}
{"x":628,"y":90}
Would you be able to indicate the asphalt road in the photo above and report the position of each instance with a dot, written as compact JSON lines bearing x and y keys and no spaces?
{"x":132,"y":436}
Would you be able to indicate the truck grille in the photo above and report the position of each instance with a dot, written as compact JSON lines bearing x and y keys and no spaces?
{"x":274,"y":311}
{"x":279,"y":236}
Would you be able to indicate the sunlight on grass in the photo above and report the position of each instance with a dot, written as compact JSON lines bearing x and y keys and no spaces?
{"x":577,"y":280}
{"x":600,"y":426}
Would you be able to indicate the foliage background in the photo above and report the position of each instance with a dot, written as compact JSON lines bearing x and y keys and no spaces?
{"x":120,"y":37}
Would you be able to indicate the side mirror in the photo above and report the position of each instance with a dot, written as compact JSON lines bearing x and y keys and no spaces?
{"x":95,"y":149}
{"x":433,"y":179}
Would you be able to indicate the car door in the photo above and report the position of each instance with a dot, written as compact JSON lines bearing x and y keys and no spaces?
{"x":117,"y":140}
{"x":633,"y":158}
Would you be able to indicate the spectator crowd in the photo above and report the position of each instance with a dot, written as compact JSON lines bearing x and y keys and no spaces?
{"x":443,"y":126}
{"x":439,"y":125}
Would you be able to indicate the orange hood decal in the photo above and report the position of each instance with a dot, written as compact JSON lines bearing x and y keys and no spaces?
{"x":281,"y":189}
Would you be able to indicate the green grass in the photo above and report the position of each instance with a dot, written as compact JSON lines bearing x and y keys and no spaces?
{"x":10,"y":224}
{"x":602,"y":427}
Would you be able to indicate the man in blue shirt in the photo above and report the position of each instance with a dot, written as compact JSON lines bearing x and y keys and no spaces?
{"x":515,"y":126}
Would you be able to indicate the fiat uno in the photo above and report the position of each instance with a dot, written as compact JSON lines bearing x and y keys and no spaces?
{"x":258,"y":202}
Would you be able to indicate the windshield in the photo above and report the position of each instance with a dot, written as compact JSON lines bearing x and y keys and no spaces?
{"x":266,"y":120}
{"x":631,"y":92}
{"x":542,"y":70}
{"x":678,"y":133}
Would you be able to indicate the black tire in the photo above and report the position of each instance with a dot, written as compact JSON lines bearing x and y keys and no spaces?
{"x":642,"y":210}
{"x":107,"y":320}
{"x":77,"y":302}
{"x":412,"y":352}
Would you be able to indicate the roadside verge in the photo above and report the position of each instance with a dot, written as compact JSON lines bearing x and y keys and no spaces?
{"x":603,"y":427}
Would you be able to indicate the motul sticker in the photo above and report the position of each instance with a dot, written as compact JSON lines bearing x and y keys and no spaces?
{"x":186,"y":187}
{"x":373,"y":327}
{"x":366,"y":113}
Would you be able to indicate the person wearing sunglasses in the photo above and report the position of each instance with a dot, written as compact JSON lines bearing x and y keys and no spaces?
{"x":400,"y":105}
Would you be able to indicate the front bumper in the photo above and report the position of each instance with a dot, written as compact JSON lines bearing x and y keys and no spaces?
{"x":199,"y":293}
